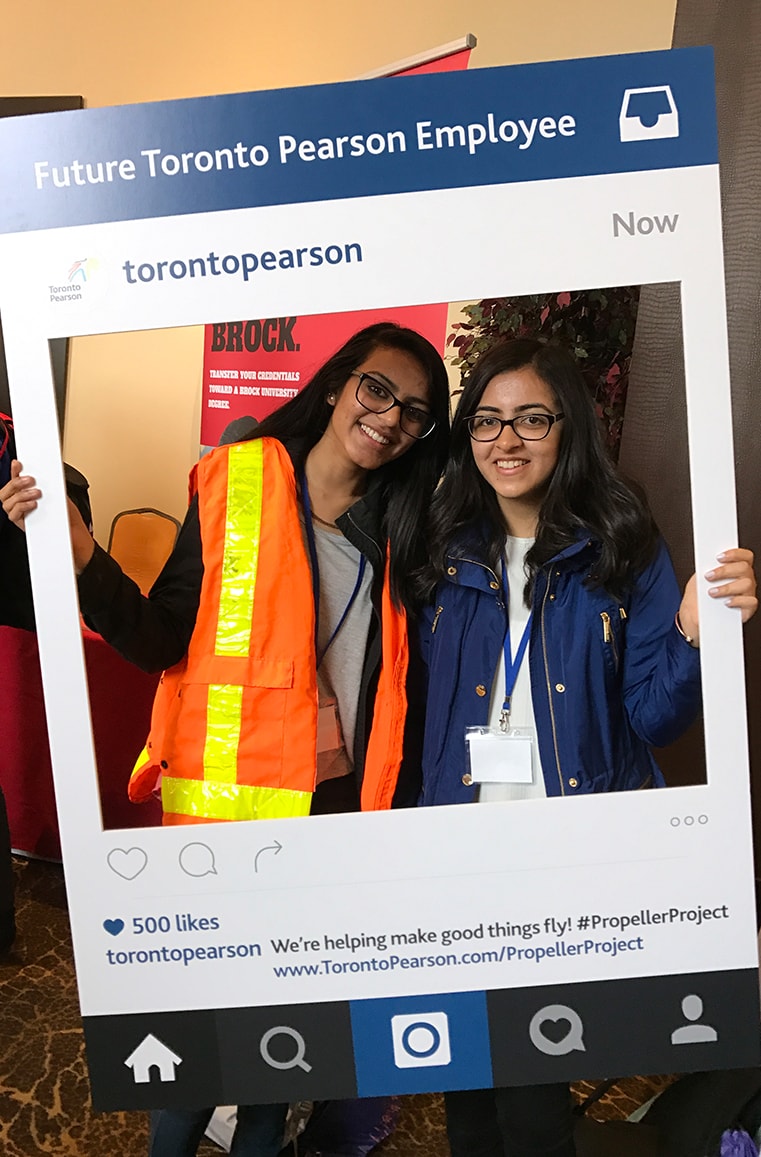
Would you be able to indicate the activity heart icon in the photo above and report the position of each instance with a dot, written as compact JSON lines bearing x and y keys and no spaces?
{"x":555,"y":1030}
{"x":127,"y":863}
{"x":114,"y":927}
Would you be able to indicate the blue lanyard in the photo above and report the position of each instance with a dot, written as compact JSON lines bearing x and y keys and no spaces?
{"x":512,"y":666}
{"x":312,"y":544}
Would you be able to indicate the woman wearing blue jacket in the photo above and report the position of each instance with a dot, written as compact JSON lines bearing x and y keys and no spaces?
{"x":557,"y":632}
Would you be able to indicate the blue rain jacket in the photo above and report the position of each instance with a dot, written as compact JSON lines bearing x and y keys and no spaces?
{"x":609,"y":678}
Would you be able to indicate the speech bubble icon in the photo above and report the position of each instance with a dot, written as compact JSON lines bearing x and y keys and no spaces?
{"x":557,"y":1030}
{"x":197,"y":860}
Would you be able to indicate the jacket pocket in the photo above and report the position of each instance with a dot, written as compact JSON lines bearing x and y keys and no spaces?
{"x":232,"y":722}
{"x":242,"y":671}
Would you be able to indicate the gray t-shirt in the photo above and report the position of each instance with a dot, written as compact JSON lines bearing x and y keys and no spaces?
{"x":339,"y":675}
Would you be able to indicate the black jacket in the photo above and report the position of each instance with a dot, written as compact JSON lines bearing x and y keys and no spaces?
{"x":16,"y":604}
{"x":154,"y":632}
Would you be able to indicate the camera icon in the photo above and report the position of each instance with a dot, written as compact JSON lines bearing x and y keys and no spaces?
{"x":421,"y":1039}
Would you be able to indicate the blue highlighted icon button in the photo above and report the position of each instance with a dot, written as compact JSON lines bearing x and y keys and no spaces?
{"x":420,"y":1039}
{"x":418,"y":1044}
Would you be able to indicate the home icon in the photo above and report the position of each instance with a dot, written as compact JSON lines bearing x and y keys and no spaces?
{"x":648,"y":114}
{"x":150,"y":1053}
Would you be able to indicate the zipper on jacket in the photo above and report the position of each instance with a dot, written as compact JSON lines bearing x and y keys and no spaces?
{"x":622,"y":614}
{"x":483,"y":566}
{"x":495,"y":583}
{"x":364,"y":534}
{"x":549,"y":689}
{"x":607,"y":633}
{"x":436,"y":619}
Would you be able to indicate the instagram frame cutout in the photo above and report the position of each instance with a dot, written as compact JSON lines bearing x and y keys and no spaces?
{"x":363,"y":196}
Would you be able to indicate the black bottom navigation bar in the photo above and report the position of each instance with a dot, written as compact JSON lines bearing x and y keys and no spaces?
{"x":429,"y":1043}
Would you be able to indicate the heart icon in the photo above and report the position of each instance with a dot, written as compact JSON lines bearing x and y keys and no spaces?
{"x":127,"y":863}
{"x":114,"y":927}
{"x":556,"y":1029}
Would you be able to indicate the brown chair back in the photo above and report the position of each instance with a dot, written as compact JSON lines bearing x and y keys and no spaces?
{"x":141,"y":541}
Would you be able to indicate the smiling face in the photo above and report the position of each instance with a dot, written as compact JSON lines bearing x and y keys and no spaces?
{"x":518,"y":470}
{"x":369,"y":440}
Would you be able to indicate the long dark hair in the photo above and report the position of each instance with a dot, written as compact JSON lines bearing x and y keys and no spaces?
{"x":584,"y":494}
{"x":409,"y":481}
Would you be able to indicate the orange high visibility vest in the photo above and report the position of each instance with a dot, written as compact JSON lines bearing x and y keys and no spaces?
{"x":234,"y":724}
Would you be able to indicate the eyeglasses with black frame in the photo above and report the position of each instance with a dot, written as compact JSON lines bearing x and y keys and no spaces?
{"x":528,"y":427}
{"x":376,"y":397}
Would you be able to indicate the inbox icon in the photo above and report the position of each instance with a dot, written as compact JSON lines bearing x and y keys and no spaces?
{"x":648,"y":114}
{"x":420,"y":1040}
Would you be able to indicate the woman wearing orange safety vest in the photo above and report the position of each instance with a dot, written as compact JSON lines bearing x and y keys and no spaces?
{"x":281,"y":612}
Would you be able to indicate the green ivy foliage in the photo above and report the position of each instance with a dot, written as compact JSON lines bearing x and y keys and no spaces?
{"x":596,"y":325}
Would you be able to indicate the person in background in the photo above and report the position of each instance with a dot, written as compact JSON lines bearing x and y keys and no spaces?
{"x":8,"y":567}
{"x":16,"y":604}
{"x":294,"y":564}
{"x":17,"y":611}
{"x":555,"y":629}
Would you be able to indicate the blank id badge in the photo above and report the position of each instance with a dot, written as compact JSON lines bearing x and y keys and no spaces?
{"x":497,"y":756}
{"x":328,"y":728}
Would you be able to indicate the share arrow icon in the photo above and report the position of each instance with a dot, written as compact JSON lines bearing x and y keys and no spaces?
{"x":275,"y":848}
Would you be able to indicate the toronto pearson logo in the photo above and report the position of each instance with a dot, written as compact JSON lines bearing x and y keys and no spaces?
{"x":82,"y":271}
{"x":79,"y":274}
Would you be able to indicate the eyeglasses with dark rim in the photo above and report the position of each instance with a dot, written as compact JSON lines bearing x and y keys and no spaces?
{"x":376,"y":397}
{"x":528,"y":427}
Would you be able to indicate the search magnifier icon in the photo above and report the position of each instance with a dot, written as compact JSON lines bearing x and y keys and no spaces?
{"x":297,"y":1061}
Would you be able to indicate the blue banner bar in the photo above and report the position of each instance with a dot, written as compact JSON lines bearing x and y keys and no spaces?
{"x":449,"y":130}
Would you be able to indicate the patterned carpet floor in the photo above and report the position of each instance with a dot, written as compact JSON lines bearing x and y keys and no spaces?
{"x":44,"y":1096}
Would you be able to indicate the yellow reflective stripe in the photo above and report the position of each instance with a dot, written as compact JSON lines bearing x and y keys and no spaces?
{"x":230,"y":801}
{"x":143,"y":757}
{"x":240,"y":560}
{"x":223,"y":718}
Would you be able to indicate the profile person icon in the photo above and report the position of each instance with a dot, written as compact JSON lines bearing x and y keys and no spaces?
{"x":689,"y":1034}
